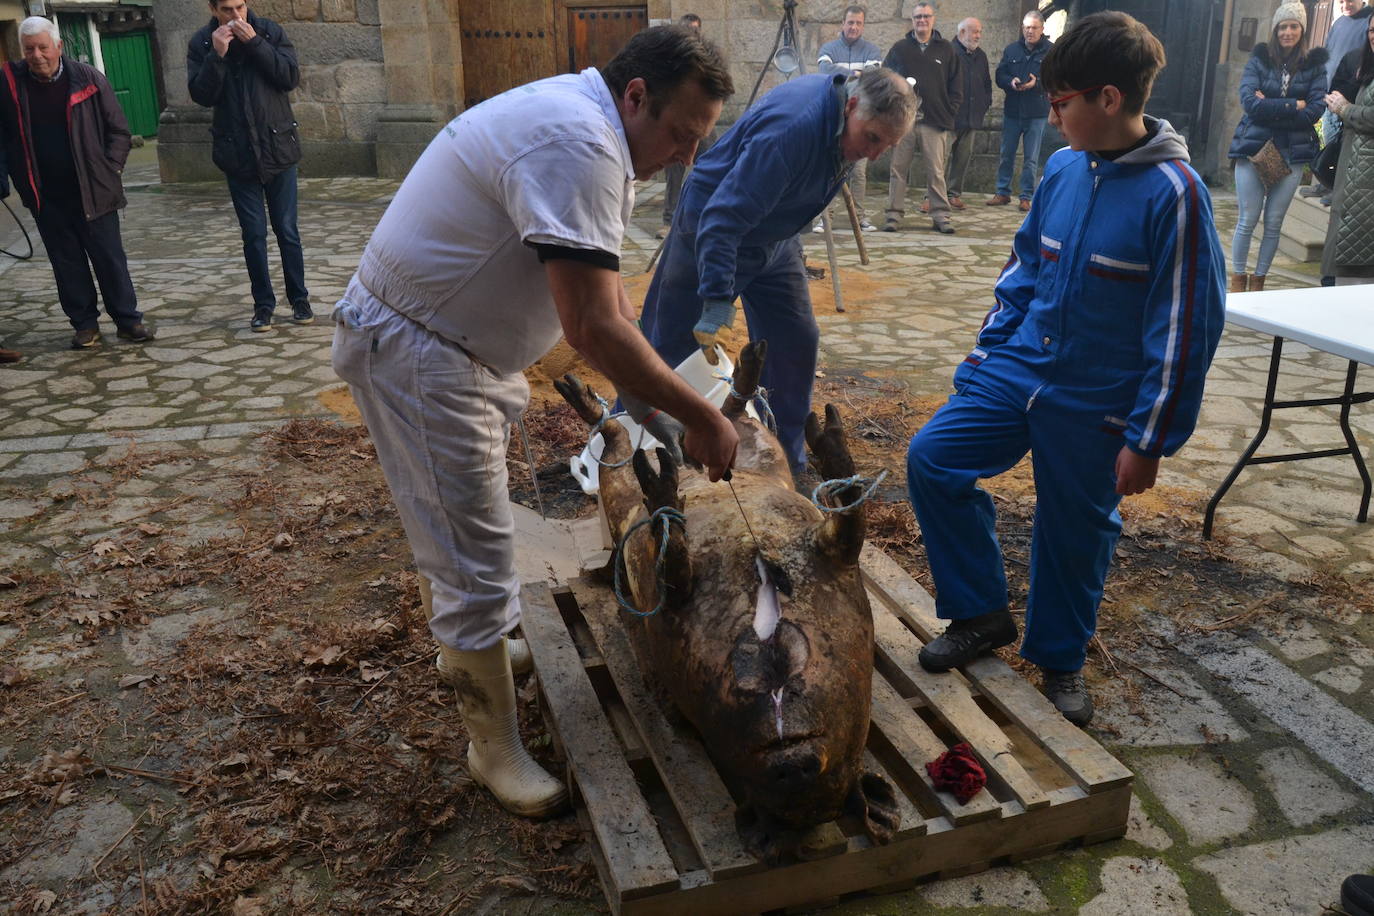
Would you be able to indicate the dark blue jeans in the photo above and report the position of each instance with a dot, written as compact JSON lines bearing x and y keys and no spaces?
{"x":1026,"y":132}
{"x":75,"y":247}
{"x":280,"y":194}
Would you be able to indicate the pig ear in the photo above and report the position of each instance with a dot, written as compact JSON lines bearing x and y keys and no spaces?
{"x":875,"y":802}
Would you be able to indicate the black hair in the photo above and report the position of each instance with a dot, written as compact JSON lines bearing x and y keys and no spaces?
{"x":1106,"y":49}
{"x":1365,"y":75}
{"x":665,"y":57}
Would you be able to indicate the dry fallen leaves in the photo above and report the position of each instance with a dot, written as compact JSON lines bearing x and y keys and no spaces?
{"x":134,"y":680}
{"x":283,"y":541}
{"x":102,"y":548}
{"x":320,"y":657}
{"x":58,"y":767}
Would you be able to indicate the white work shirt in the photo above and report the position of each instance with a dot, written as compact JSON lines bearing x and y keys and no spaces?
{"x":543,"y":163}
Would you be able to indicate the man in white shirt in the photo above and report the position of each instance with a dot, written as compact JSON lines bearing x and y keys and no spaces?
{"x":504,"y":237}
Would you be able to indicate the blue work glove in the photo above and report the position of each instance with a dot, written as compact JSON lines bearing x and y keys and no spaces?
{"x":715,"y":314}
{"x":656,"y":423}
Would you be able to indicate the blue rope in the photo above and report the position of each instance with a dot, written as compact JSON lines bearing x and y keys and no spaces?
{"x":665,"y":516}
{"x":760,"y":399}
{"x":606,"y":415}
{"x":831,"y":486}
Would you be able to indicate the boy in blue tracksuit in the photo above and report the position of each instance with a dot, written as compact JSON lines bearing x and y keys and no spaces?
{"x":735,"y":231}
{"x":1093,"y":358}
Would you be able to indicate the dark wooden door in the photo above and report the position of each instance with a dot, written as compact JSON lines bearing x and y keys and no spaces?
{"x":506,"y":43}
{"x":1190,"y":31}
{"x":596,"y":33}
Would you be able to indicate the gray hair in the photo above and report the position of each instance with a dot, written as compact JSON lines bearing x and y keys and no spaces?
{"x":884,"y":95}
{"x":1033,"y":14}
{"x":928,"y":4}
{"x":37,"y":25}
{"x":966,"y":23}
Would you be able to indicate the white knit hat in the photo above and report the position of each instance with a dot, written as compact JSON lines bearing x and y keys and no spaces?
{"x":1290,"y":12}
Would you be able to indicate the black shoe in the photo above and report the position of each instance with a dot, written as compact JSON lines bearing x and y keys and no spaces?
{"x":1328,"y":281}
{"x":138,"y":333}
{"x":86,"y":338}
{"x":942,"y":226}
{"x":965,"y":640}
{"x":890,"y":226}
{"x":301,"y":314}
{"x":1314,"y":190}
{"x":1069,"y":694}
{"x":1357,"y":895}
{"x":262,"y":321}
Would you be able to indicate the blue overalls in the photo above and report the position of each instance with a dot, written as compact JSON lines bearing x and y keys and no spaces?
{"x":1106,"y":318}
{"x":735,"y":235}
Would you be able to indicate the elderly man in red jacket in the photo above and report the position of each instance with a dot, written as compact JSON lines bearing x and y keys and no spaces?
{"x":64,"y":144}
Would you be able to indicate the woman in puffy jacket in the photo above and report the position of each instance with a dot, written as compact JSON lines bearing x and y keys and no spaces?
{"x":1282,"y":91}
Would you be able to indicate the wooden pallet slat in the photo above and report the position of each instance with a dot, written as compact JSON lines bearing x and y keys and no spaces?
{"x":691,"y":780}
{"x":1087,"y":762}
{"x":624,"y":829}
{"x":948,"y":697}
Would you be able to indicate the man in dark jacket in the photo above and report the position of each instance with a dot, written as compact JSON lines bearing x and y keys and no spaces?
{"x":243,"y":66}
{"x":1026,"y":111}
{"x":64,"y":141}
{"x":931,"y":66}
{"x":976,"y":76}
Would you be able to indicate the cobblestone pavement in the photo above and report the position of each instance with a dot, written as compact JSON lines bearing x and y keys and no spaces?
{"x":1255,"y":790}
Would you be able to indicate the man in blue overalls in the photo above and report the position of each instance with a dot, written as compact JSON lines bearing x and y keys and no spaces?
{"x":735,"y":232}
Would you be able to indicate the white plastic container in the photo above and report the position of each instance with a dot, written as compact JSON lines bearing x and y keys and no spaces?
{"x":698,"y":373}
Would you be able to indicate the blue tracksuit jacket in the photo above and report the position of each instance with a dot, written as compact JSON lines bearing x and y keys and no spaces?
{"x":1105,"y":320}
{"x":734,"y":235}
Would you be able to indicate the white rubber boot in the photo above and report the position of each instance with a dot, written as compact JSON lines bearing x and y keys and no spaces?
{"x":521,"y":662}
{"x":497,"y":760}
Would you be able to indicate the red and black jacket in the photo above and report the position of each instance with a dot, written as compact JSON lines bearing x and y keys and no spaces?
{"x":96,"y":128}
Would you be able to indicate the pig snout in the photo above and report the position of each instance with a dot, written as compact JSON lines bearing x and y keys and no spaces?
{"x":793,"y":771}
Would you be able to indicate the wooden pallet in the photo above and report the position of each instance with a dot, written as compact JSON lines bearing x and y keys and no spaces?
{"x":661,"y":822}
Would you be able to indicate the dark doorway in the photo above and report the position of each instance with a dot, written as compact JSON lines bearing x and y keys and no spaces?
{"x":1190,"y":31}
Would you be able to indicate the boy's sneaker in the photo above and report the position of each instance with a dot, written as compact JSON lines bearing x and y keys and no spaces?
{"x":1357,"y":895}
{"x":1069,"y":694}
{"x":262,"y":321}
{"x":301,"y":313}
{"x":819,"y":227}
{"x":86,"y":338}
{"x":866,"y":225}
{"x":138,"y":333}
{"x":965,"y":640}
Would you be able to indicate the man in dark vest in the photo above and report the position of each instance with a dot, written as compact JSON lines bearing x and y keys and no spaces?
{"x":243,"y":66}
{"x":64,"y":141}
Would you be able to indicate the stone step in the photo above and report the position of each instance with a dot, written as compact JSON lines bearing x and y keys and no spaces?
{"x":1304,"y":230}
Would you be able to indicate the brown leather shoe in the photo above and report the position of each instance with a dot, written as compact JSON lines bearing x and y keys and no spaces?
{"x":998,"y":200}
{"x":10,"y":356}
{"x":1024,"y":205}
{"x":1238,"y":283}
{"x":957,"y":203}
{"x":925,"y":206}
{"x":1257,"y":282}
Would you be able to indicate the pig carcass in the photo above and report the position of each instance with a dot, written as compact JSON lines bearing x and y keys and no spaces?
{"x":764,"y":639}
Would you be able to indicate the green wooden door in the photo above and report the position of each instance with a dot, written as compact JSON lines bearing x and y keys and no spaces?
{"x":76,"y":36}
{"x":129,"y":68}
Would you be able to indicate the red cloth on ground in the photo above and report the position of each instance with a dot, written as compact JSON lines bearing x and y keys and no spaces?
{"x":958,"y":772}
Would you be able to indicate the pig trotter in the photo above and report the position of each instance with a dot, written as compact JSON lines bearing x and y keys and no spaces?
{"x":660,"y":491}
{"x":589,"y":407}
{"x":746,"y":381}
{"x":828,"y":444}
{"x":874,"y":801}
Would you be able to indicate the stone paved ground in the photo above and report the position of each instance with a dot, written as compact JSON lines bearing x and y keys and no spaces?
{"x":1256,"y":784}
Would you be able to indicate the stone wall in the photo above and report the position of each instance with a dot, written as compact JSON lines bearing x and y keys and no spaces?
{"x":341,"y":93}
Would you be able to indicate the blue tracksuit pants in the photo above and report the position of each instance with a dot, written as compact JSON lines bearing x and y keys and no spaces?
{"x":771,"y":281}
{"x":982,"y":431}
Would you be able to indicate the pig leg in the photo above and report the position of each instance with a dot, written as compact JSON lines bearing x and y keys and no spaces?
{"x":619,"y":492}
{"x":661,"y":492}
{"x":874,"y":801}
{"x":746,"y":380}
{"x":841,"y":535}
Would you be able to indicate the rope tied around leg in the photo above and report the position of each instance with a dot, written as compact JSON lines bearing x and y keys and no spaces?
{"x":830,"y":487}
{"x":760,"y":401}
{"x":606,"y":415}
{"x":665,"y":516}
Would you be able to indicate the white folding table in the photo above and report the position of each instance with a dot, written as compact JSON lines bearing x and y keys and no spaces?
{"x":1334,"y":319}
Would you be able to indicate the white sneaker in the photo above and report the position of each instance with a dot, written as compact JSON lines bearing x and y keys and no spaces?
{"x":867,"y":226}
{"x":819,"y":227}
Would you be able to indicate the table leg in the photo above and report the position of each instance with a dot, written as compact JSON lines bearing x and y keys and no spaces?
{"x":1347,"y":400}
{"x":1275,"y":358}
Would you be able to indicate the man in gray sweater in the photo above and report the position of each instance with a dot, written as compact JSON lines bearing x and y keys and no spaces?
{"x":850,"y":53}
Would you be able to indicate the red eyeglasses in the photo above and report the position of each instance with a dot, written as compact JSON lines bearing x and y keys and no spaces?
{"x":1058,"y":103}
